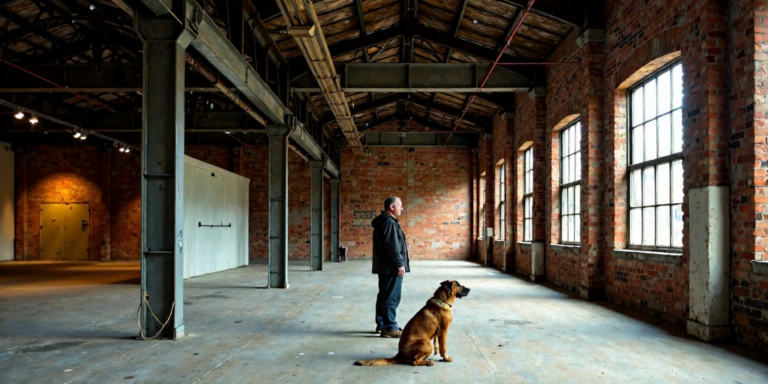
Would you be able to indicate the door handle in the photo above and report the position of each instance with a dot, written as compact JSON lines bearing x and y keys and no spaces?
{"x":85,"y":225}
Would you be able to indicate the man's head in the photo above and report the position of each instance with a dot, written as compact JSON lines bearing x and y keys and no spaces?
{"x":393,"y":205}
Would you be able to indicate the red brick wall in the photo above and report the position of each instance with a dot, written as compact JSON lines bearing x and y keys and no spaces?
{"x":503,"y":151}
{"x":748,"y":167}
{"x":434,"y":187}
{"x":486,"y":167}
{"x":299,"y":209}
{"x":563,"y":268}
{"x":326,"y":219}
{"x":49,"y":174}
{"x":255,"y":166}
{"x":126,"y":206}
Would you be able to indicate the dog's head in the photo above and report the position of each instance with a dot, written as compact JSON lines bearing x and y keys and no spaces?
{"x":453,"y":289}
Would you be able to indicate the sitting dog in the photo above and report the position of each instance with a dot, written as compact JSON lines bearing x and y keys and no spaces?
{"x":429,"y":324}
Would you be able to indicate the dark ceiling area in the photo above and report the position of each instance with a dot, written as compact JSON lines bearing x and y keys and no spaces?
{"x":81,"y":61}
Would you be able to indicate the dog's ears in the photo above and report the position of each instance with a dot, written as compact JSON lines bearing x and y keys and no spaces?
{"x":447,"y":285}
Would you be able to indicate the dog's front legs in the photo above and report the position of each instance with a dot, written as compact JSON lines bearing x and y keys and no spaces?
{"x":443,"y":337}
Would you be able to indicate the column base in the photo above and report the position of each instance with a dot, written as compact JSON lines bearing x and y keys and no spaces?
{"x":709,"y":332}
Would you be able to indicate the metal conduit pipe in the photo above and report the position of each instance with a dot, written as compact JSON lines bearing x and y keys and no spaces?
{"x":223,"y":88}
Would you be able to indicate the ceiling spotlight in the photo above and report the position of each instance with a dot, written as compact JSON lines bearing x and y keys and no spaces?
{"x":33,"y":120}
{"x":127,"y":150}
{"x":122,"y":149}
{"x":77,"y":134}
{"x":19,"y":115}
{"x":228,"y":132}
{"x":83,"y":136}
{"x":92,"y":7}
{"x":474,"y":21}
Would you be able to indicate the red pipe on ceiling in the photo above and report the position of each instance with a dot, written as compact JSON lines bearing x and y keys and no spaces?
{"x":495,"y":63}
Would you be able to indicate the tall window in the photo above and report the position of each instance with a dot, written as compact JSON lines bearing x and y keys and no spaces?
{"x":482,"y":206}
{"x":570,"y":183}
{"x":656,"y":160}
{"x":502,"y":201}
{"x":528,"y":195}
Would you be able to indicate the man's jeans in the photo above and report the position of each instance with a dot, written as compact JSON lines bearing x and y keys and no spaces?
{"x":390,"y":287}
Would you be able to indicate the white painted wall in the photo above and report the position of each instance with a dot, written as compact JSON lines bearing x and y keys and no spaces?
{"x":218,"y":199}
{"x":7,"y":206}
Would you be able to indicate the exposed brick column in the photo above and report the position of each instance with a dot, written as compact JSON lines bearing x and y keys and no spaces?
{"x":540,"y":175}
{"x":591,"y":257}
{"x":748,"y":166}
{"x":490,"y":196}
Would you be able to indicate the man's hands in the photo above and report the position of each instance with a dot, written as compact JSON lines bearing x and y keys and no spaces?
{"x":401,"y":271}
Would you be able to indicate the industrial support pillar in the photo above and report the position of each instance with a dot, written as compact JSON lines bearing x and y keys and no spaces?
{"x":162,"y":186}
{"x":278,"y":205}
{"x":316,"y":220}
{"x":335,"y":219}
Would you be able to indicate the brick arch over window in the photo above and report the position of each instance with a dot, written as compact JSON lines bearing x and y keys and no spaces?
{"x":650,"y":56}
{"x":565,"y":113}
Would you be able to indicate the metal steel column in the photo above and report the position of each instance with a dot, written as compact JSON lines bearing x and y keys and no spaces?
{"x":278,"y":205}
{"x":162,"y":187}
{"x":316,"y":220}
{"x":335,"y":219}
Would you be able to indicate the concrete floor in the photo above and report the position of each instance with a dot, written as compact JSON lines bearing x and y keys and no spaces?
{"x":76,"y":322}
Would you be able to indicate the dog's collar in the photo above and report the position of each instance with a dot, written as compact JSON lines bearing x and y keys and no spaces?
{"x":441,"y":304}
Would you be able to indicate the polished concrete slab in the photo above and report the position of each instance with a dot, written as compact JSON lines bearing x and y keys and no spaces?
{"x":76,"y":323}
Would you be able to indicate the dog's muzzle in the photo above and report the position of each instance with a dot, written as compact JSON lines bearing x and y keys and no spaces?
{"x":464,"y":292}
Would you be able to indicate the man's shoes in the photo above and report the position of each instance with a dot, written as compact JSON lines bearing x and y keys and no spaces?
{"x":378,"y":330}
{"x":392,"y":334}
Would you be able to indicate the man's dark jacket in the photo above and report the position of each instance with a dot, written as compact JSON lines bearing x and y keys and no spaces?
{"x":390,"y":251}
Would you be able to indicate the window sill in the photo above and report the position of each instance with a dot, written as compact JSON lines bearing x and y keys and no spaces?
{"x":565,"y":247}
{"x":526,"y":245}
{"x":649,"y":256}
{"x":499,"y":241}
{"x":759,"y":267}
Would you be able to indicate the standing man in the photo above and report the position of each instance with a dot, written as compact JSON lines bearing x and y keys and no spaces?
{"x":390,"y":262}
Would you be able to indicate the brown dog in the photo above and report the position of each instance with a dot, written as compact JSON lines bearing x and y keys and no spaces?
{"x":429,"y":324}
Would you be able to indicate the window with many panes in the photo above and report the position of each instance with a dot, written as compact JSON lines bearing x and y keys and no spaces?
{"x":570,"y":183}
{"x":502,"y":202}
{"x":528,"y":194}
{"x":656,"y":160}
{"x":482,"y":207}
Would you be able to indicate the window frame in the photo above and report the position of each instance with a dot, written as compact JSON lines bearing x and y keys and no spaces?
{"x":482,"y":205}
{"x":528,"y":197}
{"x":667,"y":159}
{"x":564,"y":187}
{"x":502,"y":202}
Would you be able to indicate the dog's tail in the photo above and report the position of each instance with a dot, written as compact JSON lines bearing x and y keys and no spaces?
{"x":373,"y":362}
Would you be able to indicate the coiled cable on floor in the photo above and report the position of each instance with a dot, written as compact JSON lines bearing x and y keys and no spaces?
{"x":144,"y":300}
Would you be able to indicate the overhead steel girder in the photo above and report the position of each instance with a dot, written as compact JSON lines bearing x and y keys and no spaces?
{"x":81,"y":78}
{"x":419,"y":77}
{"x":298,"y":66}
{"x":211,"y":43}
{"x":426,"y":103}
{"x":434,"y":126}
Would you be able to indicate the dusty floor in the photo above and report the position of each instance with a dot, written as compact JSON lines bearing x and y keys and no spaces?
{"x":75,"y":323}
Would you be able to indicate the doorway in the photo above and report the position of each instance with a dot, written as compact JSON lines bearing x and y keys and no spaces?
{"x":64,"y":231}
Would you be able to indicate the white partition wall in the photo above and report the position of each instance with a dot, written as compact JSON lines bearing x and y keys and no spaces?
{"x":215,"y":219}
{"x":7,"y":203}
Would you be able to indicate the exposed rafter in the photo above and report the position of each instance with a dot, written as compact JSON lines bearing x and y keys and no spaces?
{"x":305,"y":27}
{"x":418,"y":77}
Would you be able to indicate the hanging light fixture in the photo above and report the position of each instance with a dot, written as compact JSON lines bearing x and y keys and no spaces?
{"x":19,"y":115}
{"x":33,"y":119}
{"x":77,"y":134}
{"x":83,"y":136}
{"x":127,"y":150}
